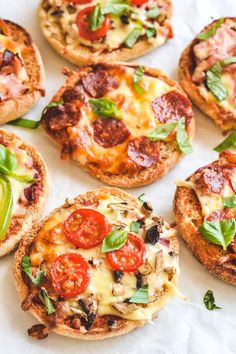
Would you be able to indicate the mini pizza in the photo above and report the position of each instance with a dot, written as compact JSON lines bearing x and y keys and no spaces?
{"x":85,"y":31}
{"x":23,"y":189}
{"x":207,"y":72}
{"x":205,"y":210}
{"x":21,"y":72}
{"x":127,"y":125}
{"x":97,"y":267}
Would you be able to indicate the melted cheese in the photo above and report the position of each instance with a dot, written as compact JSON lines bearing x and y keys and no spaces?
{"x":138,"y":123}
{"x":209,"y":202}
{"x":102,"y":284}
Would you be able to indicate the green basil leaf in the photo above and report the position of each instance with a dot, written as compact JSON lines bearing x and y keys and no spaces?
{"x":229,"y":202}
{"x":219,"y":232}
{"x":25,"y":264}
{"x":96,"y":18}
{"x":214,"y":84}
{"x":21,"y":178}
{"x":151,"y":32}
{"x":206,"y":35}
{"x":7,"y":159}
{"x":209,"y":301}
{"x":53,"y":104}
{"x":182,"y":137}
{"x":153,"y":12}
{"x":47,"y":301}
{"x":138,"y":74}
{"x":140,"y":198}
{"x":26,"y":123}
{"x":228,"y":61}
{"x":162,"y":131}
{"x":132,"y":38}
{"x":6,"y":205}
{"x":228,"y":143}
{"x":141,"y":296}
{"x":114,"y":241}
{"x":105,"y":108}
{"x":134,"y":226}
{"x":115,"y":9}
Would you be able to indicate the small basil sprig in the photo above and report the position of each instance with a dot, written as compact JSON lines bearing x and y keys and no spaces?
{"x":162,"y":131}
{"x":229,"y":202}
{"x":105,"y":108}
{"x":151,"y":32}
{"x":26,"y":123}
{"x":140,"y":296}
{"x":8,"y":165}
{"x":134,"y":226}
{"x":115,"y":8}
{"x":213,"y":79}
{"x":212,"y":31}
{"x":219,"y":232}
{"x":182,"y":137}
{"x":44,"y":297}
{"x":133,"y":36}
{"x":6,"y":205}
{"x":140,"y":198}
{"x":154,"y":12}
{"x":96,"y":18}
{"x":114,"y":241}
{"x":209,"y":301}
{"x":228,"y":143}
{"x":25,"y":264}
{"x":138,"y":74}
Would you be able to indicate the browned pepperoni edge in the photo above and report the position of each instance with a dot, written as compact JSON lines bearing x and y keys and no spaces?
{"x":143,"y":152}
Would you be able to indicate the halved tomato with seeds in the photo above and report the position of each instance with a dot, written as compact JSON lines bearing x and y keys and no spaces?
{"x":130,"y":256}
{"x":86,"y":228}
{"x":70,"y":275}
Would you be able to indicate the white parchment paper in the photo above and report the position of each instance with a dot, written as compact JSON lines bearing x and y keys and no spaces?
{"x":183,"y":327}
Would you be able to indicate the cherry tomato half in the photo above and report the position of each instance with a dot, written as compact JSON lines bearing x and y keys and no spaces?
{"x":138,"y":2}
{"x":86,"y":228}
{"x":84,"y":26}
{"x":70,"y":275}
{"x":130,"y":256}
{"x":80,"y":2}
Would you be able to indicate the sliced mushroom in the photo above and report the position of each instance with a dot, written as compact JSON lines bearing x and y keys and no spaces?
{"x":124,"y":308}
{"x":89,"y":307}
{"x":146,"y":268}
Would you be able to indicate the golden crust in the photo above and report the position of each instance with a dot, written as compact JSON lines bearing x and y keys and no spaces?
{"x":220,"y":116}
{"x":17,"y":107}
{"x":126,"y":325}
{"x":32,"y":213}
{"x":188,"y":216}
{"x":170,"y":155}
{"x":84,"y":55}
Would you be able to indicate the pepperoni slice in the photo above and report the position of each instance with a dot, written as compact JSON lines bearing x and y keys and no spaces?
{"x":98,"y":83}
{"x":230,"y":174}
{"x":61,"y":116}
{"x":143,"y":151}
{"x":110,"y":132}
{"x":223,"y":214}
{"x":214,"y":179}
{"x":172,"y":106}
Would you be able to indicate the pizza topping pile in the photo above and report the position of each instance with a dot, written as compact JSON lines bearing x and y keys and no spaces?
{"x":13,"y":76}
{"x":98,"y":119}
{"x":108,"y":25}
{"x":19,"y":185}
{"x":94,"y":264}
{"x":215,"y":187}
{"x":215,"y":65}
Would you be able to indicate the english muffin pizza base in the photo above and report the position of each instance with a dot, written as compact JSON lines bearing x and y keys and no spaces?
{"x":189,"y":217}
{"x":170,"y":154}
{"x":84,"y":55}
{"x":221,"y":116}
{"x":23,"y":219}
{"x":16,"y":107}
{"x":101,"y":330}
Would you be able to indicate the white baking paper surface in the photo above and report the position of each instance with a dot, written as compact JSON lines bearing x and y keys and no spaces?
{"x":183,"y":327}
